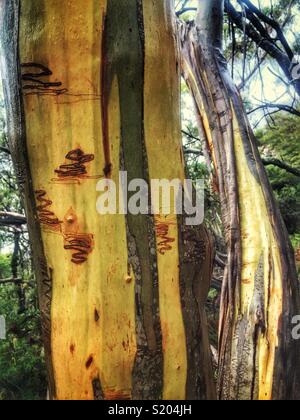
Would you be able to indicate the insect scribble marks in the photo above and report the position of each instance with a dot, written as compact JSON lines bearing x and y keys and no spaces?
{"x":76,"y":169}
{"x":33,"y":75}
{"x":81,"y":244}
{"x":46,"y":216}
{"x":164,"y":240}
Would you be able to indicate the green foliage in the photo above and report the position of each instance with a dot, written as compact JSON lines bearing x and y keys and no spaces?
{"x":282,"y":142}
{"x":22,"y":367}
{"x":22,"y":370}
{"x":4,"y":266}
{"x":296,"y":240}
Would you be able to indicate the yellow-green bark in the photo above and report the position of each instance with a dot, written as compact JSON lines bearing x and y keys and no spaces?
{"x":100,"y":87}
{"x":258,"y":356}
{"x":66,"y":37}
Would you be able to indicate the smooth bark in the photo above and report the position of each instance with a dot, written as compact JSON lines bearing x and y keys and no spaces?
{"x":258,"y":358}
{"x":92,"y":88}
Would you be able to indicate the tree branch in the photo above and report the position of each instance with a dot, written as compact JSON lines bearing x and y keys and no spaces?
{"x":185,"y":10}
{"x":193,"y":152}
{"x":4,"y":150}
{"x":266,"y":162}
{"x":275,"y":25}
{"x":262,"y":39}
{"x":12,"y":219}
{"x":281,"y":165}
{"x":11,"y":281}
{"x":280,"y":107}
{"x":16,"y":281}
{"x":252,"y":72}
{"x":186,"y":133}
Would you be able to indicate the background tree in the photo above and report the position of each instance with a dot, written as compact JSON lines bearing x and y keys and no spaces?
{"x":257,"y":75}
{"x":257,"y":354}
{"x":121,"y":298}
{"x":22,"y":368}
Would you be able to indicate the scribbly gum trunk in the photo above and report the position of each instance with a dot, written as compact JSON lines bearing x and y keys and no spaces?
{"x":258,"y":358}
{"x":92,"y":88}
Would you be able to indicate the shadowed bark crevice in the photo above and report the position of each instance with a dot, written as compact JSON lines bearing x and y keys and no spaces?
{"x":257,"y":355}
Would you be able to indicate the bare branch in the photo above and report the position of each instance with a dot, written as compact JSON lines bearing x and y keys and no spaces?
{"x":186,"y":133}
{"x":4,"y":150}
{"x":279,"y":107}
{"x":281,"y":165}
{"x":252,"y":72}
{"x":185,"y":10}
{"x":250,"y":24}
{"x":221,"y":262}
{"x":193,"y":152}
{"x":11,"y":281}
{"x":12,"y":219}
{"x":275,"y":25}
{"x":16,"y":281}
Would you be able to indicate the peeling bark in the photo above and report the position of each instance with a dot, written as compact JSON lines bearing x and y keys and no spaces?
{"x":93,"y":88}
{"x":258,"y":358}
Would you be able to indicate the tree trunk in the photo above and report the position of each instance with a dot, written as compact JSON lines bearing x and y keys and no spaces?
{"x":92,"y":88}
{"x":258,"y":358}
